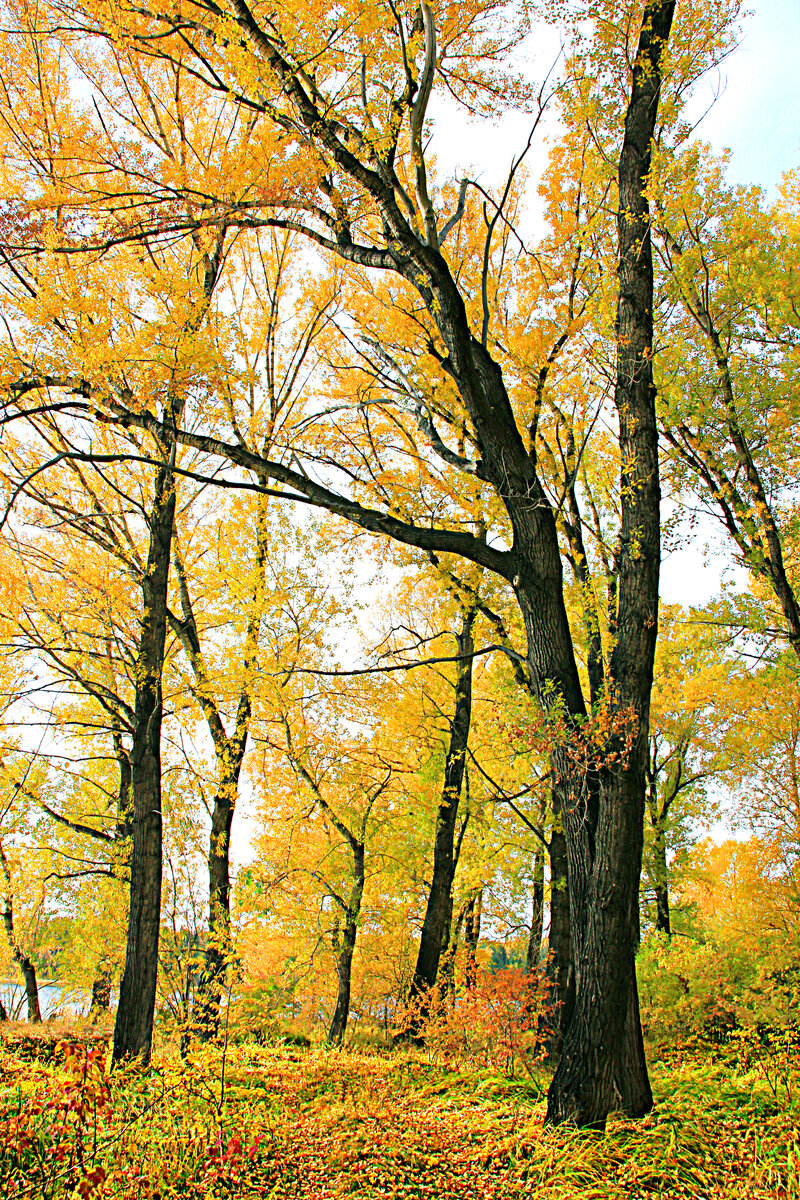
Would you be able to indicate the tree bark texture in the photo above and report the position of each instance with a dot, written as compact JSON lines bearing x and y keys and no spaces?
{"x":439,"y":909}
{"x":602,"y":1064}
{"x":560,"y":974}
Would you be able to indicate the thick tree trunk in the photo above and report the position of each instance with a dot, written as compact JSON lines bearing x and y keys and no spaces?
{"x":344,"y":966}
{"x":602,"y":1063}
{"x":133,"y":1031}
{"x":439,"y":911}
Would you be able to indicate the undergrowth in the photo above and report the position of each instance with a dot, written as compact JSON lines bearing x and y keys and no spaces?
{"x":285,"y":1124}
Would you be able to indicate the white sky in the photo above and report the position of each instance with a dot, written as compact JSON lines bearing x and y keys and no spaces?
{"x":757,"y":116}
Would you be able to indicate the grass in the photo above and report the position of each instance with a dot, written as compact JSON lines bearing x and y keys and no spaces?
{"x":292,"y":1124}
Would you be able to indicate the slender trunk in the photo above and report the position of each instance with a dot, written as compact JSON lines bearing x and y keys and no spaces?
{"x":101,"y":990}
{"x":25,"y":964}
{"x":537,"y":913}
{"x":472,"y":933}
{"x":344,"y":965}
{"x":230,"y":753}
{"x":602,"y":1063}
{"x":211,"y":985}
{"x":23,"y":960}
{"x":439,"y":910}
{"x":133,"y":1031}
{"x":447,"y":967}
{"x":661,"y":882}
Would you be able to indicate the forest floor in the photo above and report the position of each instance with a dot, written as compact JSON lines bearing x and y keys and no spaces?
{"x":294,"y":1124}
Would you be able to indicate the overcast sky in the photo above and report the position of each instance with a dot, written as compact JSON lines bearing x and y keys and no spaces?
{"x":758,"y":112}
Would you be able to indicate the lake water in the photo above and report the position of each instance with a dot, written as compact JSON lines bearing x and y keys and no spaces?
{"x":54,"y":998}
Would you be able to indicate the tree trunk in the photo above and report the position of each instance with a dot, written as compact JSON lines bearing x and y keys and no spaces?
{"x":560,"y":975}
{"x":25,"y":964}
{"x":439,"y":911}
{"x":23,"y":960}
{"x":534,"y":950}
{"x":602,"y":1063}
{"x":124,"y":826}
{"x":218,"y":949}
{"x":133,"y":1030}
{"x":347,"y":946}
{"x":661,"y":882}
{"x":229,"y":753}
{"x":472,"y":933}
{"x":101,"y":991}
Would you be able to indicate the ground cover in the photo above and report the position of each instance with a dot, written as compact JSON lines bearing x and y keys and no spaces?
{"x":290,"y":1124}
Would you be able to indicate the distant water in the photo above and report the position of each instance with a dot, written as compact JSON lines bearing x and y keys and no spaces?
{"x":54,"y":999}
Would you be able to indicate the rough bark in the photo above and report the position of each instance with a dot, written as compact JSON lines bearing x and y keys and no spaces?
{"x":602,"y":1064}
{"x":439,"y":910}
{"x":559,"y":970}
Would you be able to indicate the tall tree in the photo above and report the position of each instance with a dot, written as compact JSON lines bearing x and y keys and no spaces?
{"x":366,"y":196}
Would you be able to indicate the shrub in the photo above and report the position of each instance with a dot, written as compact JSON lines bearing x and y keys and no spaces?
{"x":498,"y":1023}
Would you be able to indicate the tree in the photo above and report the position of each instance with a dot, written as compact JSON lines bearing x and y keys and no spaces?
{"x":691,"y":744}
{"x":729,"y":266}
{"x":365,"y":197}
